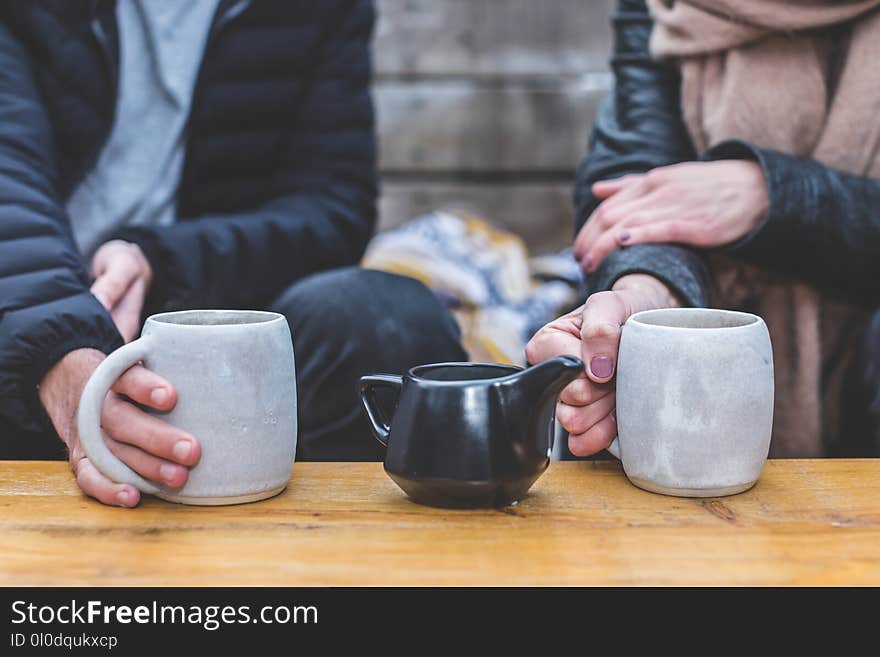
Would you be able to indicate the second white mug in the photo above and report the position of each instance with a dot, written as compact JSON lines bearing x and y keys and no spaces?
{"x":694,"y":401}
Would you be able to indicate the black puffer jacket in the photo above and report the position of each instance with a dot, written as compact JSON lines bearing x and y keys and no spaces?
{"x":279,"y":178}
{"x":823,"y":225}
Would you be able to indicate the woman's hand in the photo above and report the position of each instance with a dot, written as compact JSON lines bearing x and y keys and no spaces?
{"x":586,"y":406}
{"x":703,"y":204}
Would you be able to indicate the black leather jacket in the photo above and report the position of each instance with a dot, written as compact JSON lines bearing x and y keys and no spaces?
{"x":823,"y":225}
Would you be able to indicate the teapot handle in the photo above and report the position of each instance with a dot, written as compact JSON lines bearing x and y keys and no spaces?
{"x":367,"y":389}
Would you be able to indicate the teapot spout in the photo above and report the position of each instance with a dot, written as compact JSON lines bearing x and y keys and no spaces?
{"x":547,"y":379}
{"x":529,"y":400}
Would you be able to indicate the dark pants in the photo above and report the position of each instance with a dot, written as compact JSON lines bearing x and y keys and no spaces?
{"x":350,"y":322}
{"x":345,"y":323}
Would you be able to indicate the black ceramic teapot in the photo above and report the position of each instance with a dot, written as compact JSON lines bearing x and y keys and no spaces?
{"x":468,"y":434}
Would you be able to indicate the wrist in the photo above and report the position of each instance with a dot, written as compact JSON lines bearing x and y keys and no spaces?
{"x":61,"y":387}
{"x":646,"y":292}
{"x":759,"y":198}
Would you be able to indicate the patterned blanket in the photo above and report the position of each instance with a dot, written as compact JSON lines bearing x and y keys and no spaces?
{"x":499,"y":294}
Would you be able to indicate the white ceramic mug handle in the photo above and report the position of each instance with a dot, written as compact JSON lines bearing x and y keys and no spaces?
{"x":91,"y":436}
{"x":614,"y":448}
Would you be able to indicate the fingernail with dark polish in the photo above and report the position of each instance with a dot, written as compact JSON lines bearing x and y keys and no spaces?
{"x":602,"y":366}
{"x":623,"y":236}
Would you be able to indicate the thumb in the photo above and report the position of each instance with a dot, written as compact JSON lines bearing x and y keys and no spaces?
{"x":604,"y":315}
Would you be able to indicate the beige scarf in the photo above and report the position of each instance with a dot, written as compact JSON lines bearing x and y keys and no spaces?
{"x":772,"y":73}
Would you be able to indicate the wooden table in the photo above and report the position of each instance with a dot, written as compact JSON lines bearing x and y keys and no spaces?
{"x":810,"y":522}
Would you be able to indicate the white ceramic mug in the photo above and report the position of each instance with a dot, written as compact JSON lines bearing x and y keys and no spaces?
{"x":694,"y":401}
{"x":236,"y":393}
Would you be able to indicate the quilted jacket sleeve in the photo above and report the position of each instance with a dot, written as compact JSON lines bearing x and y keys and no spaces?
{"x":46,"y":309}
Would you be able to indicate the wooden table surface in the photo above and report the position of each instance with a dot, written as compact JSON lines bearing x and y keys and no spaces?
{"x":807,"y":522}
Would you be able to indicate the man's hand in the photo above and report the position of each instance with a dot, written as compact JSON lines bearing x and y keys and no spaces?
{"x":122,"y":278}
{"x":153,"y":448}
{"x":703,"y":204}
{"x":586,"y":406}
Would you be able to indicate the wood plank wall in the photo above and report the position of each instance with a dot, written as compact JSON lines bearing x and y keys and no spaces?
{"x":486,"y":105}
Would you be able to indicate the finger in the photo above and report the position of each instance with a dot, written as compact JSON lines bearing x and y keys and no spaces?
{"x":108,"y":251}
{"x":550,"y":342}
{"x":148,"y":466}
{"x":582,"y":239}
{"x":620,"y":209}
{"x":639,"y":211}
{"x":595,"y":439}
{"x":639,"y":188}
{"x":579,"y":419}
{"x":623,"y":232}
{"x":126,"y":423}
{"x":100,"y":259}
{"x":110,"y":286}
{"x":672,"y":231}
{"x":95,"y":484}
{"x":599,"y":221}
{"x":582,"y":391}
{"x":605,"y":244}
{"x":126,"y":314}
{"x":605,"y":188}
{"x":596,"y":224}
{"x":604,"y":314}
{"x":145,"y":387}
